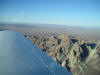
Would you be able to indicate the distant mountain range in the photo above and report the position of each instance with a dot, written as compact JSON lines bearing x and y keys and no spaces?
{"x":84,"y":33}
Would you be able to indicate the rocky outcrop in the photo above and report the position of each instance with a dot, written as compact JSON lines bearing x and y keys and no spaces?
{"x":66,"y":51}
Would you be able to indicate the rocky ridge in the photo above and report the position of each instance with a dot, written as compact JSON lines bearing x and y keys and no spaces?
{"x":66,"y":51}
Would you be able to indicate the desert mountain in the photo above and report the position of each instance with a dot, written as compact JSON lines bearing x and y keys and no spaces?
{"x":70,"y":53}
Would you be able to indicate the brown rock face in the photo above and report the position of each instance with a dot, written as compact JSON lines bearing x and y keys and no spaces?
{"x":66,"y":51}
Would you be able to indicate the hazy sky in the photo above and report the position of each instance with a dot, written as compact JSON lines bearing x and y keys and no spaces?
{"x":65,"y":12}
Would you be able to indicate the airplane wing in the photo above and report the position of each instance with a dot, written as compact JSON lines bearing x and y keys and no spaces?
{"x":18,"y":56}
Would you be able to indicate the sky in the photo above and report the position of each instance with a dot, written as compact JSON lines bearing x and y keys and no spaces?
{"x":63,"y":12}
